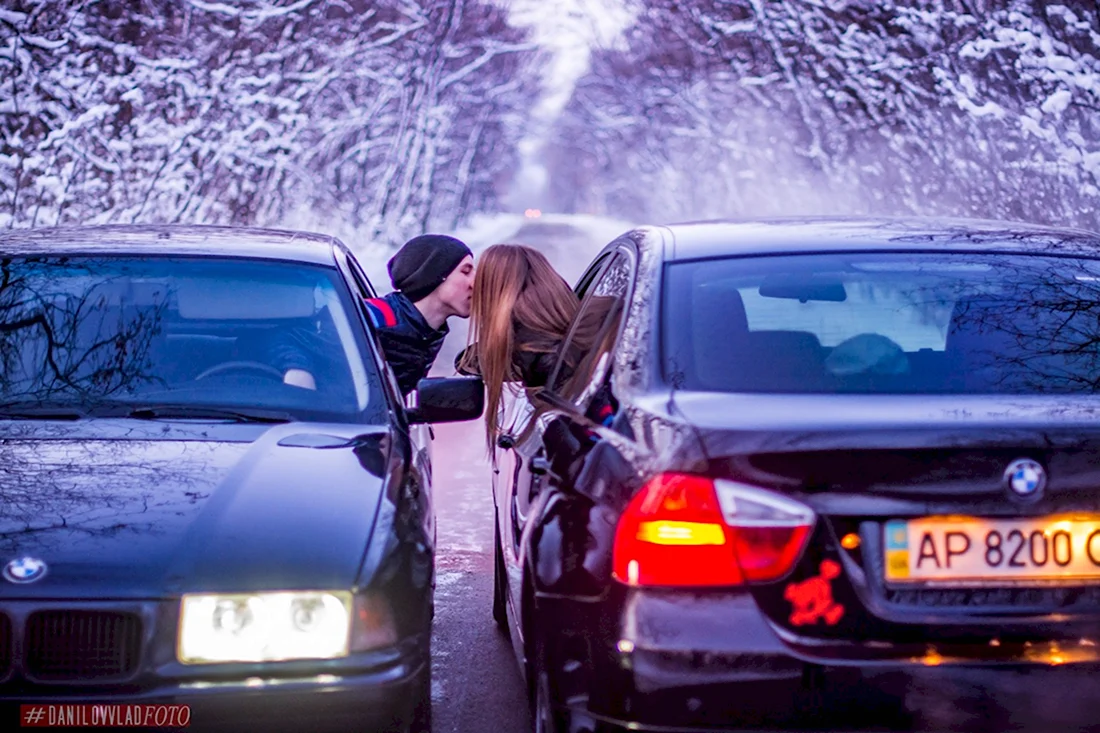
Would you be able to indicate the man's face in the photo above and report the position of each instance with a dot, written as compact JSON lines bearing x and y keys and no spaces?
{"x":457,"y":290}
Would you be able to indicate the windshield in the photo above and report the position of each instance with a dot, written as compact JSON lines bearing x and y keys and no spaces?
{"x":108,"y":333}
{"x":884,"y":323}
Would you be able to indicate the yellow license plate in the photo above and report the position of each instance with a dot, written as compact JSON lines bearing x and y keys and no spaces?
{"x":970,"y":550}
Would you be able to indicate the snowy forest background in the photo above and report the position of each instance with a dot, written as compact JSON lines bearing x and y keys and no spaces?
{"x":391,"y":117}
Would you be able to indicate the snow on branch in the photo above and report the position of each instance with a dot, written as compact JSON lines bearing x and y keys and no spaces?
{"x":745,"y":107}
{"x":253,"y":112}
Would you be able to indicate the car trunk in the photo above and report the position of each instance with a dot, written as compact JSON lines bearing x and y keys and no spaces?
{"x":919,"y":534}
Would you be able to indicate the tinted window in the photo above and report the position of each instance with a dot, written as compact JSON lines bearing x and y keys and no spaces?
{"x":883,"y":323}
{"x":110,"y":331}
{"x":585,"y":355}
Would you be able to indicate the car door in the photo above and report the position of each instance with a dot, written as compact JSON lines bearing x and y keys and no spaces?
{"x":518,"y":460}
{"x":553,"y":530}
{"x":420,"y":436}
{"x":511,"y":460}
{"x":514,"y":456}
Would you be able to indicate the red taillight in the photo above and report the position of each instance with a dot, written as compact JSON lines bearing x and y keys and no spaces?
{"x":685,"y":530}
{"x":768,"y":553}
{"x":672,"y":533}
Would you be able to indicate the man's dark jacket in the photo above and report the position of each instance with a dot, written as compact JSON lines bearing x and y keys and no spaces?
{"x":409,"y":344}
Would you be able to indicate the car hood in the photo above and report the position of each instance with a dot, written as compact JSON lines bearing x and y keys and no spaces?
{"x":285,"y":507}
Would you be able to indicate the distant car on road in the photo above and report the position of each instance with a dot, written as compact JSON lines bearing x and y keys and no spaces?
{"x":805,"y":448}
{"x":212,"y":492}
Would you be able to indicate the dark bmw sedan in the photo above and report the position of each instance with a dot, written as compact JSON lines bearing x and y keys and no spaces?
{"x":800,"y":452}
{"x":211,"y":493}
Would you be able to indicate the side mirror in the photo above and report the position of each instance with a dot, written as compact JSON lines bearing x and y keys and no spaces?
{"x":447,"y":399}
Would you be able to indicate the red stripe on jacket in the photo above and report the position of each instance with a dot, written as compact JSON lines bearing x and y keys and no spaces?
{"x":387,"y":312}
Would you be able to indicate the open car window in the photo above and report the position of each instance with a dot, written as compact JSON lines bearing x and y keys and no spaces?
{"x":585,"y":357}
{"x":362,"y":282}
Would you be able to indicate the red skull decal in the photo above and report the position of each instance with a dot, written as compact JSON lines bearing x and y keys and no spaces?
{"x":812,"y":599}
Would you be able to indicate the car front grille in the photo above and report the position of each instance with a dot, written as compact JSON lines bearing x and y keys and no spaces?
{"x":81,"y":646}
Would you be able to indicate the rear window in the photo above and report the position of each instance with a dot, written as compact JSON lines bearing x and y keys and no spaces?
{"x":931,"y":323}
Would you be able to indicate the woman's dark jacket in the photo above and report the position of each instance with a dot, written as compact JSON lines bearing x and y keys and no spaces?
{"x":533,"y":359}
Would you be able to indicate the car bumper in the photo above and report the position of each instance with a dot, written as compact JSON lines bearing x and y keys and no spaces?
{"x":715,"y":660}
{"x":382,"y":699}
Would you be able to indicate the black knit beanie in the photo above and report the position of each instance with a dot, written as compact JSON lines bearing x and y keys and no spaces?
{"x":424,"y":262}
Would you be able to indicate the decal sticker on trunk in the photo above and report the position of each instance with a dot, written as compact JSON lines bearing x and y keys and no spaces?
{"x":812,"y":599}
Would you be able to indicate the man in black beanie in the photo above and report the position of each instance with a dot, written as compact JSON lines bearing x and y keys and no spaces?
{"x":433,"y":279}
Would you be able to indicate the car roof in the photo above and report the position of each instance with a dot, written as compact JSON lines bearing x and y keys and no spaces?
{"x":171,"y":240}
{"x":698,"y":240}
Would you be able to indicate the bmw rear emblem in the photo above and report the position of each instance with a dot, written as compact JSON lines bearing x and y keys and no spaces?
{"x":1025,"y":478}
{"x":24,"y":570}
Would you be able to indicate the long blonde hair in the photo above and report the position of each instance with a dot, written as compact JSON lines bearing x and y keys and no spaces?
{"x":515,"y":286}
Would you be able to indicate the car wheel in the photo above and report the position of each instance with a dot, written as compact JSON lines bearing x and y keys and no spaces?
{"x":500,"y":609}
{"x":544,"y":717}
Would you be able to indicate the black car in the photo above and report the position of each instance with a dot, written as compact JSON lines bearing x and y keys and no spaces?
{"x":804,"y":451}
{"x":212,"y":493}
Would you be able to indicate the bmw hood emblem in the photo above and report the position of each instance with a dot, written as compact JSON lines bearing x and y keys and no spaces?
{"x":1025,"y":478}
{"x":24,"y":570}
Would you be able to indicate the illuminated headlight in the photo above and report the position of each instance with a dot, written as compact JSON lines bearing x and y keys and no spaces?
{"x":264,"y":627}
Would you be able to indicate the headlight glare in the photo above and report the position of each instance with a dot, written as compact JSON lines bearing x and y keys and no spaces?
{"x":307,"y":614}
{"x":234,"y":616}
{"x":264,"y":627}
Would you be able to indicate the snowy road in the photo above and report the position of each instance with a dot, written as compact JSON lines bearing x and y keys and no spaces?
{"x":476,"y":682}
{"x":477,"y":686}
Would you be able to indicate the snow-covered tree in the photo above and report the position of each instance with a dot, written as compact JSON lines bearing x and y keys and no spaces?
{"x":387,"y":115}
{"x":746,"y":107}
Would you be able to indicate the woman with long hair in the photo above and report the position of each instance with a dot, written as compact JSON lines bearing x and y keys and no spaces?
{"x":521,"y":312}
